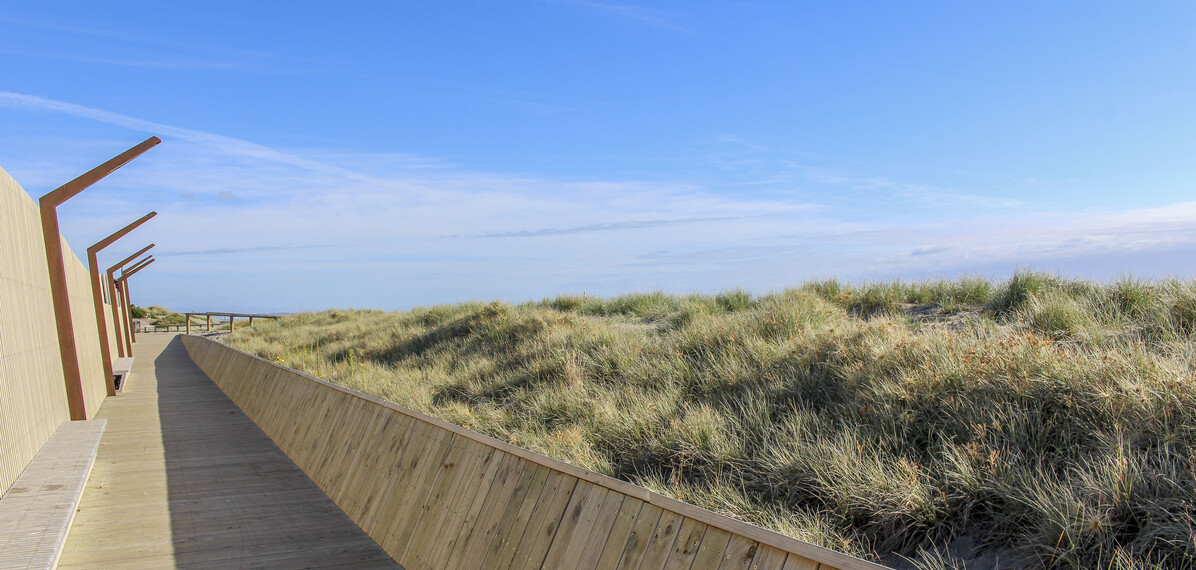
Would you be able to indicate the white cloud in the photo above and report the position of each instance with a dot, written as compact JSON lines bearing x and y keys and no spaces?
{"x":270,"y":229}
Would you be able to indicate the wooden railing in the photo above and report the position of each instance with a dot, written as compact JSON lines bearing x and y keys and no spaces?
{"x":231,"y":319}
{"x":436,"y":495}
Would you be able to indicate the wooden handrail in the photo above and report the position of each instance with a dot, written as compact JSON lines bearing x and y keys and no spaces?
{"x":231,"y":316}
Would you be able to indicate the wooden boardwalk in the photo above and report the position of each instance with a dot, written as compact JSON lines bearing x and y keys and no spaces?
{"x":183,"y":479}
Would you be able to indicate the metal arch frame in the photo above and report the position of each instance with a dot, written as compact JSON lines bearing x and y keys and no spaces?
{"x":48,"y":206}
{"x":118,"y":307}
{"x":130,"y":336}
{"x":97,"y":294}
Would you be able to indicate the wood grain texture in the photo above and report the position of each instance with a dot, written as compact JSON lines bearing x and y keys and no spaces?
{"x":32,"y":391}
{"x":439,"y":496}
{"x":183,"y":479}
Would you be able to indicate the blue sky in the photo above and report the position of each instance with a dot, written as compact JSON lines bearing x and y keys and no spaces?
{"x":393,"y":154}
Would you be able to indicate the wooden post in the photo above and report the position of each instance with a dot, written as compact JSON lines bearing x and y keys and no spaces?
{"x":72,"y":376}
{"x":230,"y":323}
{"x":118,"y":305}
{"x":250,"y":320}
{"x":209,"y":324}
{"x":97,"y":295}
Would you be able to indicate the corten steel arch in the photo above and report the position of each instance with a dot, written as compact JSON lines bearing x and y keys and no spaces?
{"x":122,"y":299}
{"x":97,"y":295}
{"x":130,"y":337}
{"x":117,"y":306}
{"x":125,"y":308}
{"x":49,"y":203}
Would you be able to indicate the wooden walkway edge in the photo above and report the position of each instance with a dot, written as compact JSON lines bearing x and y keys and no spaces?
{"x":36,"y":513}
{"x":183,"y":479}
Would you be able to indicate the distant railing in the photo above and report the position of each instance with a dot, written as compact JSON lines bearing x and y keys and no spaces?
{"x":208,"y":320}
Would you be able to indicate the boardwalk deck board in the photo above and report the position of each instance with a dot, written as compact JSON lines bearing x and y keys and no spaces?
{"x":184,"y":479}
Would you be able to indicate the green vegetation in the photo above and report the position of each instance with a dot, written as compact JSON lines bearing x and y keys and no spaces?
{"x":164,"y":316}
{"x":1050,"y":422}
{"x":161,"y":315}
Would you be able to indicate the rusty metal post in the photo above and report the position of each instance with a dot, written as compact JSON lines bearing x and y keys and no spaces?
{"x":130,"y":336}
{"x":97,"y":295}
{"x":127,"y":307}
{"x":118,"y":306}
{"x":69,"y":352}
{"x":122,"y":316}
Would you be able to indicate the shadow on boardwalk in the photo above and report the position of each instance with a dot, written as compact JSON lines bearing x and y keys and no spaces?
{"x":216,"y":493}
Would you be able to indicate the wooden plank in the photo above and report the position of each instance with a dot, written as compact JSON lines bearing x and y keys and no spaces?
{"x":548,"y":506}
{"x":437,"y":478}
{"x":471,"y":463}
{"x":769,"y":558}
{"x":795,"y":562}
{"x":466,"y":506}
{"x":660,"y":545}
{"x":641,"y":532}
{"x":710,"y":553}
{"x":403,"y":467}
{"x":583,"y":511}
{"x":361,"y":487}
{"x":687,"y":546}
{"x":739,"y":553}
{"x":513,"y":522}
{"x":545,"y":522}
{"x":427,"y":466}
{"x":371,"y":503}
{"x":613,"y":544}
{"x":591,"y":549}
{"x":478,"y":531}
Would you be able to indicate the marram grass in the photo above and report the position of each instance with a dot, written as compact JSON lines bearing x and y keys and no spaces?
{"x":1042,"y":422}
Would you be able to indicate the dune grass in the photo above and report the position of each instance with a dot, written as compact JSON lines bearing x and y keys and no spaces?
{"x":1048,"y":422}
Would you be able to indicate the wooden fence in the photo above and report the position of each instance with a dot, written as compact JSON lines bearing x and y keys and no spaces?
{"x":436,"y":495}
{"x":232,"y":317}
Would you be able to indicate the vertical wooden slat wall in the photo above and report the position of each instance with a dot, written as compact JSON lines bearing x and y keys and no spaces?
{"x":32,"y":394}
{"x":87,"y":340}
{"x":438,"y":496}
{"x":111,"y":330}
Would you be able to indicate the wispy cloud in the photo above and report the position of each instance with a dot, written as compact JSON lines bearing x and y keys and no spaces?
{"x":228,"y":250}
{"x":761,"y":166}
{"x":958,"y":244}
{"x":230,"y":208}
{"x":111,"y":47}
{"x":229,"y":145}
{"x":608,"y":227}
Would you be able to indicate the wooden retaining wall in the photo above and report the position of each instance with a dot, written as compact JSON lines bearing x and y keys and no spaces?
{"x":32,"y":392}
{"x":438,"y":496}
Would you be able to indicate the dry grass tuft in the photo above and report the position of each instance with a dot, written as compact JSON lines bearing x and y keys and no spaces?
{"x":1045,"y":420}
